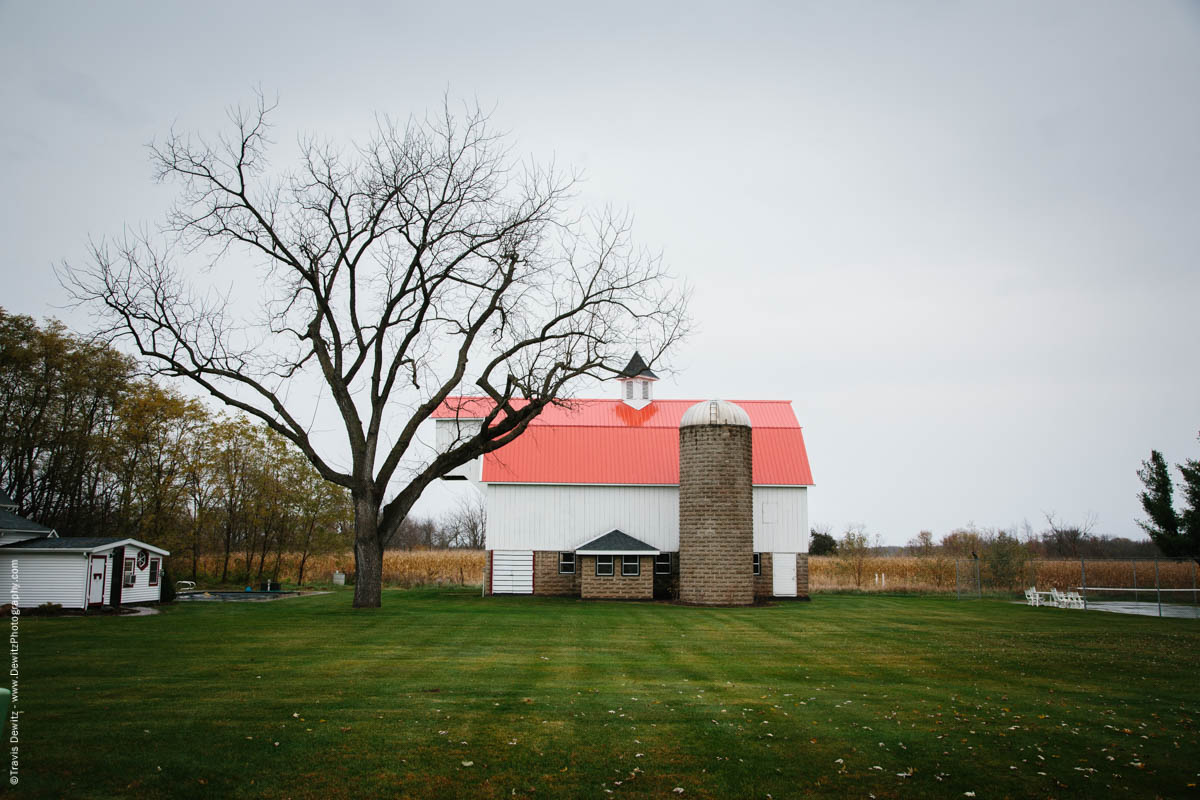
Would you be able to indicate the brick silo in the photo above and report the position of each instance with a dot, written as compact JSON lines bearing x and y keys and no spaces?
{"x":716,"y":510}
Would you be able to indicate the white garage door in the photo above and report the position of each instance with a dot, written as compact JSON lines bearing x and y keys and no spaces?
{"x":512,"y":572}
{"x":783,"y":567}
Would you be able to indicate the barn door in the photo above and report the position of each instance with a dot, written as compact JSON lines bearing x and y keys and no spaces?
{"x":96,"y":575}
{"x":512,"y":572}
{"x":783,"y":569}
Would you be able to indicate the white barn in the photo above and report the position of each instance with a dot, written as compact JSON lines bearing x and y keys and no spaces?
{"x":74,"y":572}
{"x":602,"y":466}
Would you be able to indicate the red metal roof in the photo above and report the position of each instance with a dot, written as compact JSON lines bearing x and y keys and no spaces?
{"x":608,"y":442}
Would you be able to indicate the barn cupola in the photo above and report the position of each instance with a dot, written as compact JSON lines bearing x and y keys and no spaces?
{"x":637,"y":383}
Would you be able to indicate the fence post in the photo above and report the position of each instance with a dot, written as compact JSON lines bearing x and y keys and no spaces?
{"x":957,"y":590}
{"x":1135,"y":594}
{"x":1083,"y":580}
{"x":1157,"y":593}
{"x":978,"y":583}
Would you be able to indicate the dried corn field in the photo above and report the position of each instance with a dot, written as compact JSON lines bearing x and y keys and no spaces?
{"x":400,"y":567}
{"x":934,"y":574}
{"x":938,"y":574}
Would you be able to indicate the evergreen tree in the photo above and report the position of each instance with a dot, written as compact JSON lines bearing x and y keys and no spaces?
{"x":1189,"y":518}
{"x":1163,"y":525}
{"x":822,"y":544}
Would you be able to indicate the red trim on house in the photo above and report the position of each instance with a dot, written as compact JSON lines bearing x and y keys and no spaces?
{"x":91,"y":566}
{"x":155,"y":572}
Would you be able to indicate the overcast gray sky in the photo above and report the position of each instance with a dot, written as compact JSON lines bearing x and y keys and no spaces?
{"x":962,"y":238}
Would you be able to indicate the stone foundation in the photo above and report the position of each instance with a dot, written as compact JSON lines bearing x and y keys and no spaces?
{"x":802,"y":574}
{"x":615,"y":586}
{"x":764,"y":584}
{"x":548,"y":580}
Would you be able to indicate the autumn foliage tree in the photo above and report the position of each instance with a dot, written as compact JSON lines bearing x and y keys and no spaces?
{"x":420,"y":264}
{"x":91,"y":449}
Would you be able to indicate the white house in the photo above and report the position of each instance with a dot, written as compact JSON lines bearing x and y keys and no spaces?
{"x":74,"y":572}
{"x":597,"y":467}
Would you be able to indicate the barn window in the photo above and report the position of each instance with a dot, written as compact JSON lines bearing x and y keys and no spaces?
{"x":631,"y":566}
{"x":604,"y":565}
{"x":155,"y":566}
{"x":628,"y":390}
{"x":758,"y":563}
{"x":662,"y":564}
{"x":130,"y":573}
{"x":645,"y":390}
{"x":566,"y":563}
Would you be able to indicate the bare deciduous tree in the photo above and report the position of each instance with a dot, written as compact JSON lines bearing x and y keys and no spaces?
{"x":422,"y":264}
{"x":466,"y":524}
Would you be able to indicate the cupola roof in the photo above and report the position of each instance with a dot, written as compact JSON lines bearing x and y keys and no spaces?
{"x":637,"y":369}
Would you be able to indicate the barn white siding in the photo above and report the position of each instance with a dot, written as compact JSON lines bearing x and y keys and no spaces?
{"x":45,"y":578}
{"x":141,"y":591}
{"x":563,"y":516}
{"x":448,"y":433}
{"x":780,"y":519}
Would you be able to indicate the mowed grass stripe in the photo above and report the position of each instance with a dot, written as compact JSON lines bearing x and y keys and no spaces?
{"x":893,"y":696}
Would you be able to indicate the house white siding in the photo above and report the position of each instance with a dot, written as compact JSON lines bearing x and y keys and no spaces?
{"x":45,"y":578}
{"x":141,"y":591}
{"x":564,"y":516}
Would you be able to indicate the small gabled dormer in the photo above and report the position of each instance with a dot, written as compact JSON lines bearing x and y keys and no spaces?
{"x":636,"y":383}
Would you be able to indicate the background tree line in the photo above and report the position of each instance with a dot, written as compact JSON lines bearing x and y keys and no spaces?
{"x":1004,"y":556}
{"x":91,"y":448}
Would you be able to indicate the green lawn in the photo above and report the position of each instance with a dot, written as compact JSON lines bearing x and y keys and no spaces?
{"x":446,"y":694}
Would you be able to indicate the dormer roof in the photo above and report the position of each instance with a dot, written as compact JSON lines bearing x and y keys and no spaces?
{"x":636,"y":368}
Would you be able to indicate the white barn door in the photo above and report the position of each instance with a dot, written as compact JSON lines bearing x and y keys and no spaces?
{"x":512,"y":572}
{"x":783,"y":569}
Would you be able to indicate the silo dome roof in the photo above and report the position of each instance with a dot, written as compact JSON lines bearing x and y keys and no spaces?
{"x":715,"y":412}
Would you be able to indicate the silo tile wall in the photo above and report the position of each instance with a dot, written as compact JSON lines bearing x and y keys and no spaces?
{"x":716,"y":515}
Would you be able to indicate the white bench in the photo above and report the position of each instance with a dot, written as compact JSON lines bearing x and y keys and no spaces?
{"x":185,"y":586}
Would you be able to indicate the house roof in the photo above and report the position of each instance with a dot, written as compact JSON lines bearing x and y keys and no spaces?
{"x":636,"y":368}
{"x":6,"y":501}
{"x":15,"y":523}
{"x":616,"y":543}
{"x":608,"y":442}
{"x":79,"y":544}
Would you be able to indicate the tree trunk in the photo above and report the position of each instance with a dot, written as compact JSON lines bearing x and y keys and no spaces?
{"x":368,"y":554}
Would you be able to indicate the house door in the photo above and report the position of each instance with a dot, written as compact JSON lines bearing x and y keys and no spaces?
{"x":96,"y":576}
{"x":783,"y":569}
